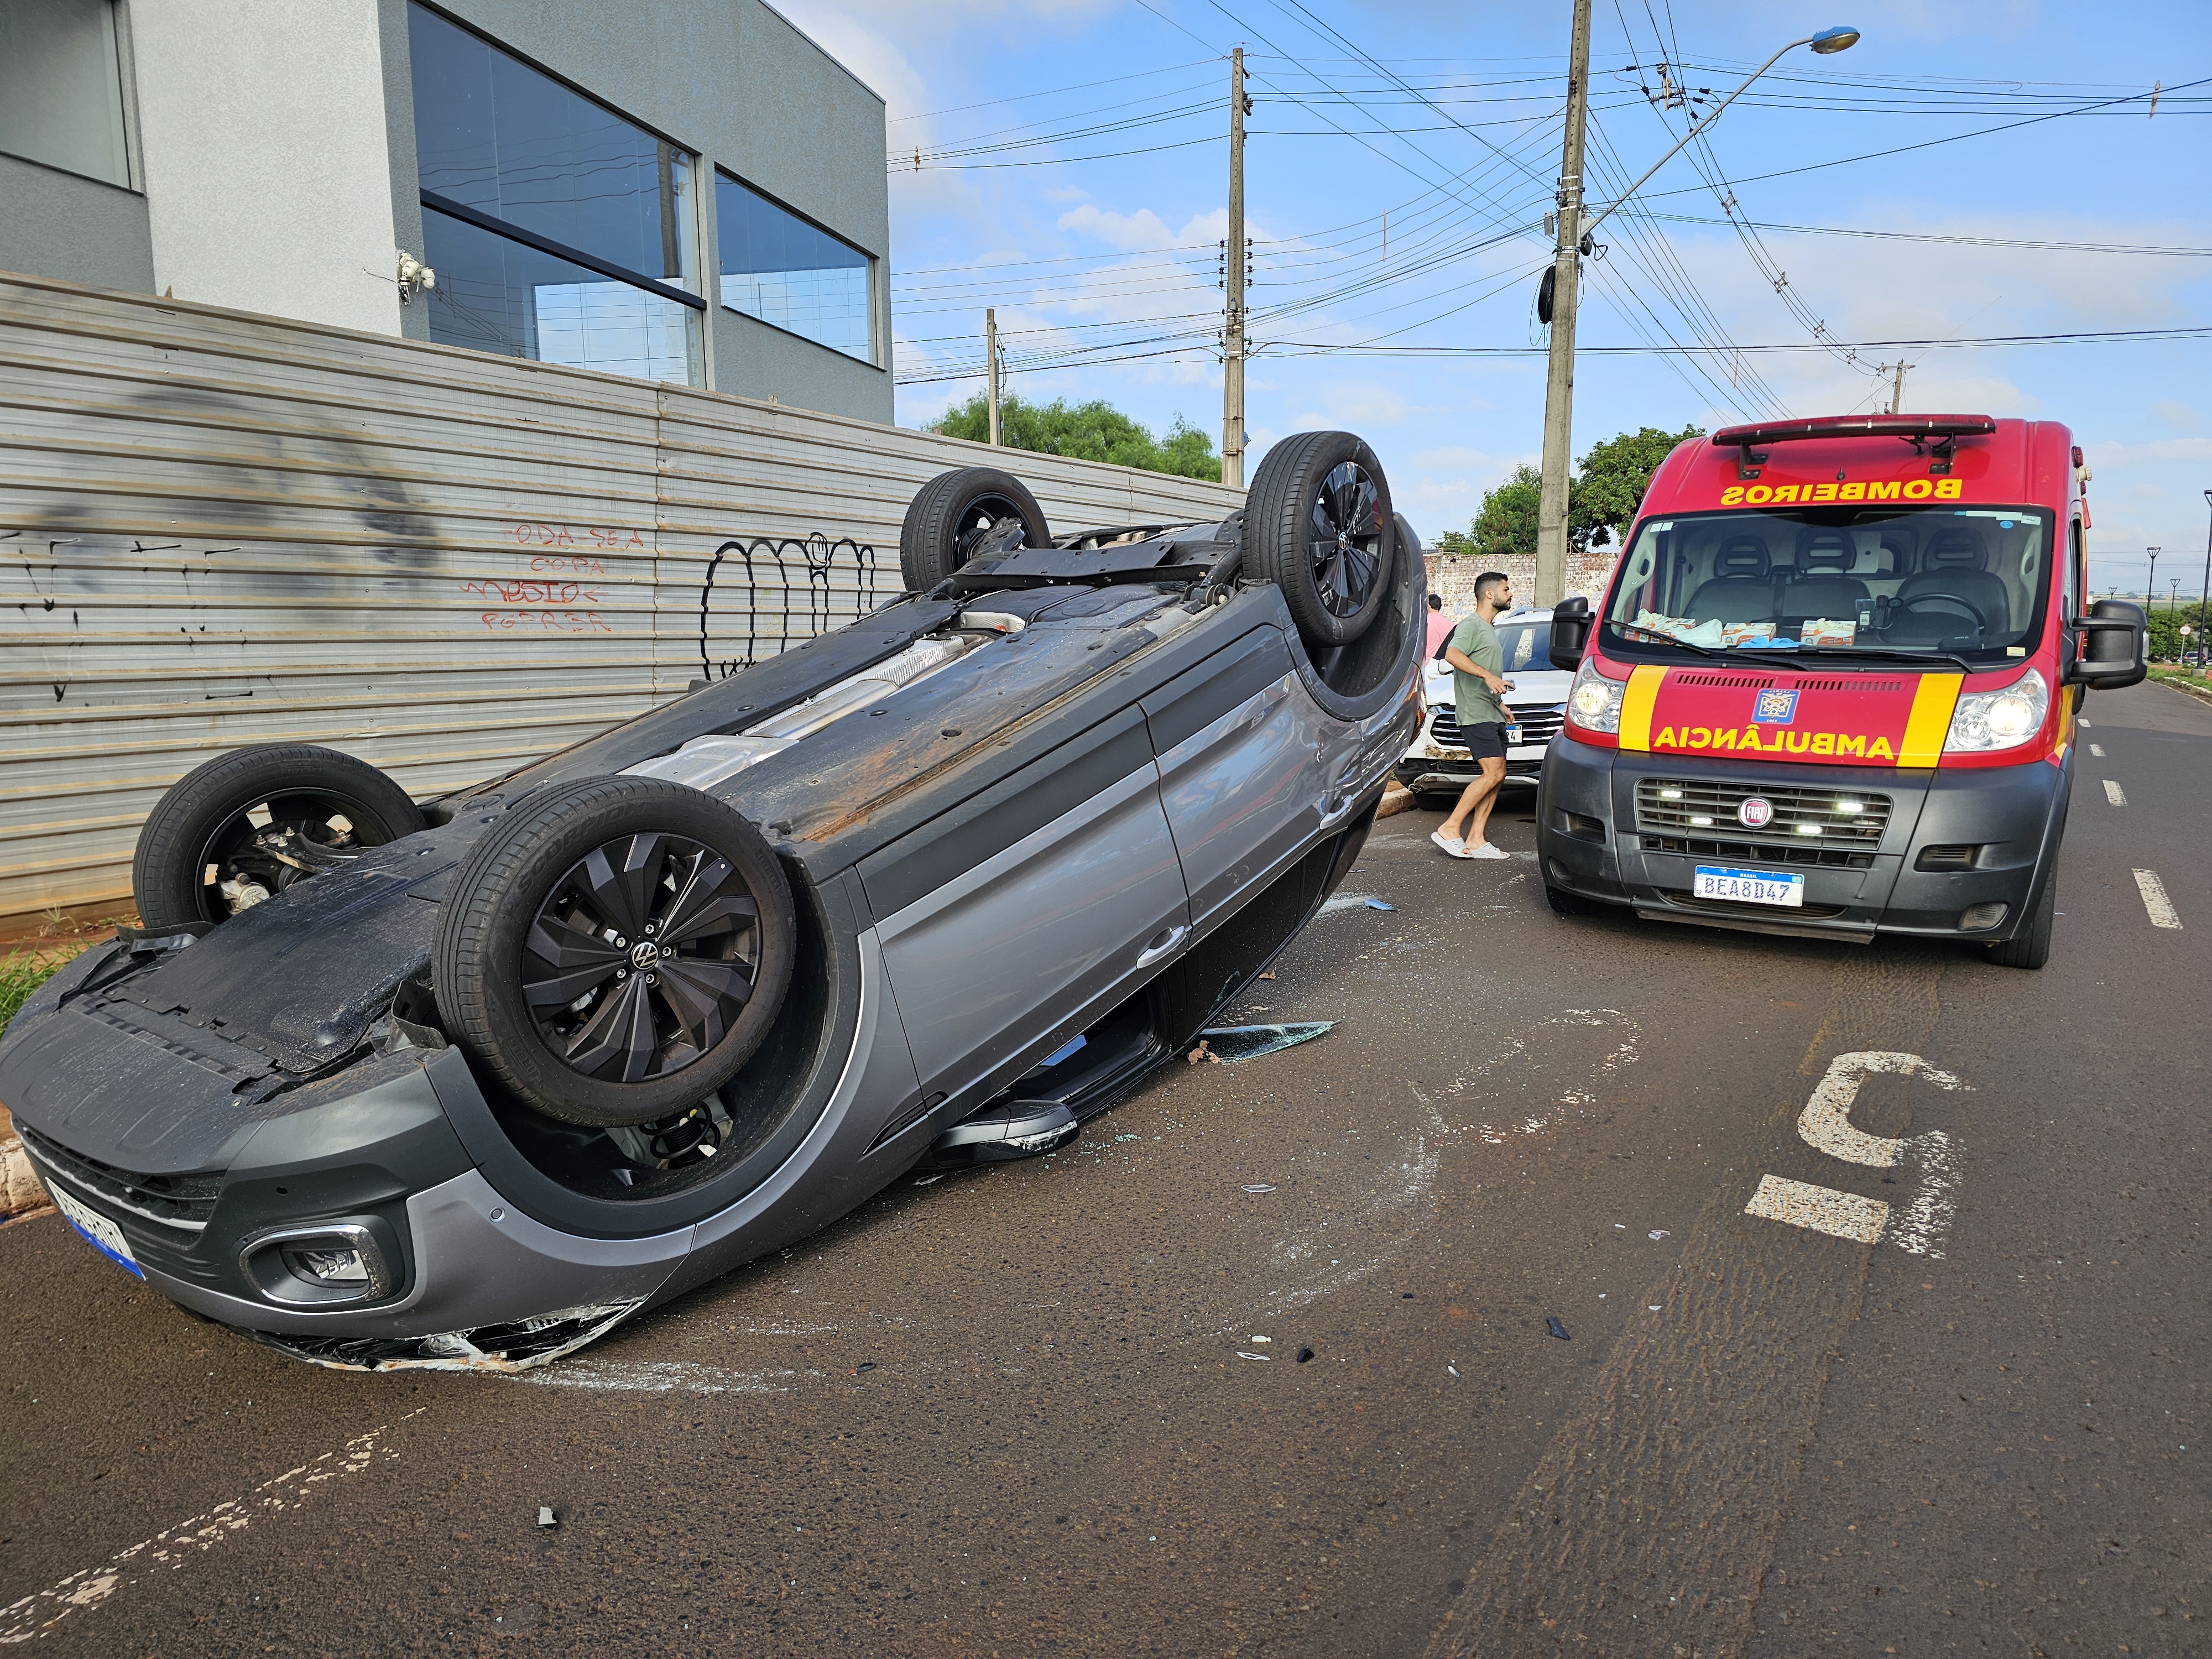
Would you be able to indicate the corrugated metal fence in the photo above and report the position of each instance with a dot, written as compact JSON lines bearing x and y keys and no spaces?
{"x":218,"y":529}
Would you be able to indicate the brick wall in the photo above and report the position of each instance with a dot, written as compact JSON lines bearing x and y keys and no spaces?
{"x":1453,"y":575}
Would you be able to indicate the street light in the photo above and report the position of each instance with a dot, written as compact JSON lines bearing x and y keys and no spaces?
{"x":1560,"y":284}
{"x":2151,"y":587}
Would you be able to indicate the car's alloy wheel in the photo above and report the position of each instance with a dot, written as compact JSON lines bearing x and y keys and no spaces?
{"x":616,"y":948}
{"x":1319,"y":524}
{"x":242,"y":828}
{"x":642,"y":958}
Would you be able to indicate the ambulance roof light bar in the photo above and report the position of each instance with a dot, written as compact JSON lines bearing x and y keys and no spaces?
{"x":1915,"y":429}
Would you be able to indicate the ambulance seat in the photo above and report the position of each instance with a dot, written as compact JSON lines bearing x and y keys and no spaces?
{"x":1956,"y":562}
{"x":1824,"y":585}
{"x":1742,"y":586}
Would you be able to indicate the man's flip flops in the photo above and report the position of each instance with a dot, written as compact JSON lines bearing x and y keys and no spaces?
{"x":1456,"y":849}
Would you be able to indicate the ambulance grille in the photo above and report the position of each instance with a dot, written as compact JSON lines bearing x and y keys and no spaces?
{"x":1847,"y":819}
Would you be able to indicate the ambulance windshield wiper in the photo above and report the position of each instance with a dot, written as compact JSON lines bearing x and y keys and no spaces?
{"x":1665,"y":638}
{"x":1894,"y":653}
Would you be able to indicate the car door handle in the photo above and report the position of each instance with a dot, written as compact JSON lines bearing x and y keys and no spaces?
{"x":1164,"y":944}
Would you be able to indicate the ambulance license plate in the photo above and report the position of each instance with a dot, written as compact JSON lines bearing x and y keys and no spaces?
{"x":98,"y":1231}
{"x":1718,"y":881}
{"x":1513,"y":736}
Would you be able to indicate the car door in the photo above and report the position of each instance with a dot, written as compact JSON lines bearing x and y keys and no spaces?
{"x":1046,"y":899}
{"x":1242,"y":766}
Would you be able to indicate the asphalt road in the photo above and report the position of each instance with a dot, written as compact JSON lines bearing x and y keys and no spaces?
{"x":1061,"y":1407}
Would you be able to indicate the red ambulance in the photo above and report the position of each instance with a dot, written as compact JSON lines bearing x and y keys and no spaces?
{"x":1831,"y":691}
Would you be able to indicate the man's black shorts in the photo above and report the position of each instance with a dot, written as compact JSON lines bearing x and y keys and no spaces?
{"x":1485,"y":741}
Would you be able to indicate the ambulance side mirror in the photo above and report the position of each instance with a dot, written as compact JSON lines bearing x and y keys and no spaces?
{"x":1570,"y":626}
{"x":2115,"y":646}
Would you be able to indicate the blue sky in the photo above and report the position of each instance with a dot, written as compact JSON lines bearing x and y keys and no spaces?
{"x":1074,"y":175}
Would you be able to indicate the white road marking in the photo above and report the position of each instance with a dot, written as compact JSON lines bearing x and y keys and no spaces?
{"x":37,"y":1613}
{"x":1826,"y":1125}
{"x":2114,"y":794}
{"x":2097,"y":750}
{"x":2084,"y":724}
{"x":2162,"y":913}
{"x":1840,"y":1215}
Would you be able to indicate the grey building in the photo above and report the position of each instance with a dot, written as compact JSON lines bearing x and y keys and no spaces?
{"x":678,"y":190}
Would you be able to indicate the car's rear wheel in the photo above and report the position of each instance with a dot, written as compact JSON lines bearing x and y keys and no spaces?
{"x":616,"y":950}
{"x":2031,"y":947}
{"x":1319,"y":524}
{"x":948,"y":515}
{"x":243,"y":826}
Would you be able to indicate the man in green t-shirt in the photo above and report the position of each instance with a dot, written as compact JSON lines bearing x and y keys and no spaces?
{"x":1478,"y":662}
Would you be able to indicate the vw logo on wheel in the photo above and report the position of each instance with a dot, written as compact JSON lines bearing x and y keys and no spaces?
{"x":644,"y":955}
{"x":1756,"y":812}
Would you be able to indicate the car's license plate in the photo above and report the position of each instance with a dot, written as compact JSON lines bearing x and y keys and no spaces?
{"x":1717,"y":881}
{"x":1512,"y":734}
{"x":98,"y":1231}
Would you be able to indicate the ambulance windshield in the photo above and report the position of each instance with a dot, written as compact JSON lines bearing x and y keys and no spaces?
{"x":1958,"y":581}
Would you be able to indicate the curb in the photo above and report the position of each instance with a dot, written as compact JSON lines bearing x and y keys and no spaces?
{"x":1395,"y":799}
{"x":22,"y":1193}
{"x":2202,"y":693}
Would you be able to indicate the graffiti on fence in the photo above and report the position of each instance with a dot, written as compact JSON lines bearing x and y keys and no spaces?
{"x":766,"y":590}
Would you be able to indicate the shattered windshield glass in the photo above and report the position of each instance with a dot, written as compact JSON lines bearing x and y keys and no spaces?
{"x":1962,"y":581}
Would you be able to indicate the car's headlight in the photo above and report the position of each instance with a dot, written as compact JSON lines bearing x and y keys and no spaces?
{"x":1593,"y":701}
{"x":2004,"y":719}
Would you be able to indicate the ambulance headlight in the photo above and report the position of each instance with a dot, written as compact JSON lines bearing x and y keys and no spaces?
{"x":2003,"y":719}
{"x":1593,"y":701}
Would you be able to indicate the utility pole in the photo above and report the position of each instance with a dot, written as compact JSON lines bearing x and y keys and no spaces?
{"x":991,"y":351}
{"x":1897,"y":386}
{"x":1232,"y":280}
{"x":1560,"y":382}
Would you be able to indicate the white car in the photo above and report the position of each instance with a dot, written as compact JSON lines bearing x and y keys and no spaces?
{"x":1438,"y":763}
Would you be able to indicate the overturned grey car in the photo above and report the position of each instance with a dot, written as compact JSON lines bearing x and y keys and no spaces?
{"x":468,"y":1082}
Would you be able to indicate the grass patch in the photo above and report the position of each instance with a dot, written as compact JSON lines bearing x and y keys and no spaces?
{"x":24,"y":971}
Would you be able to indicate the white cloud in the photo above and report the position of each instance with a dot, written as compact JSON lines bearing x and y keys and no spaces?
{"x":2178,"y":415}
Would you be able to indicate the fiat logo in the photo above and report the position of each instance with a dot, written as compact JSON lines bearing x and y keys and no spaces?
{"x":1756,"y":812}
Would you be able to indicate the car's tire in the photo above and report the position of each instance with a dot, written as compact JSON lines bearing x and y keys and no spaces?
{"x":1319,"y":524}
{"x":950,"y":508}
{"x":204,"y":821}
{"x":2031,"y":947}
{"x":521,"y":941}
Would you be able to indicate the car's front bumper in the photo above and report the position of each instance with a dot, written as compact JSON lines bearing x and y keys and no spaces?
{"x":1593,"y":844}
{"x":1436,"y":764}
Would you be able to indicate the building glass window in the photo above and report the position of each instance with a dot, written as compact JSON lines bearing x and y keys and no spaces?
{"x":559,"y":230}
{"x":61,"y":88}
{"x":779,"y":268}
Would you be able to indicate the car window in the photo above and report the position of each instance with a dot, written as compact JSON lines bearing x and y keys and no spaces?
{"x":1965,"y":581}
{"x":1526,"y":647}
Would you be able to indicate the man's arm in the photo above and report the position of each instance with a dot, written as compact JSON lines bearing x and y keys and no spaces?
{"x":1465,"y":665}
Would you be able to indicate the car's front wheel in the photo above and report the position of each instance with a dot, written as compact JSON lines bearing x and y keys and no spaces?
{"x":616,"y":950}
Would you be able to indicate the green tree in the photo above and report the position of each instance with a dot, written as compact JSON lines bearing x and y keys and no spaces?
{"x":1094,"y":431}
{"x":1603,"y":499}
{"x":1506,"y":526}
